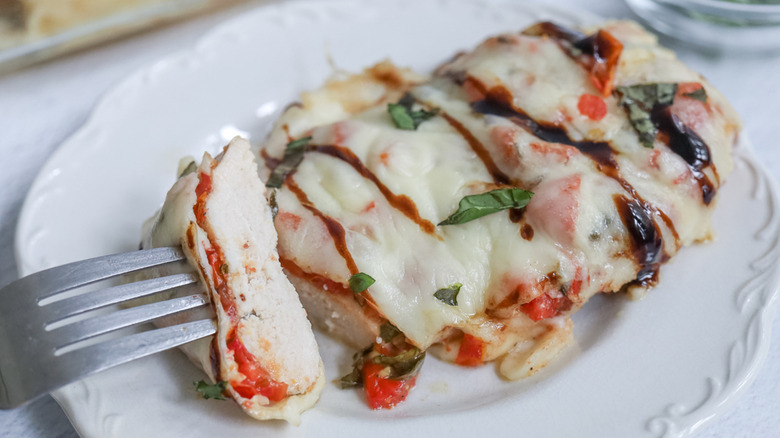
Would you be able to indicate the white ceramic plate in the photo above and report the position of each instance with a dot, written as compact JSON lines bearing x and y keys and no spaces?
{"x":659,"y":367}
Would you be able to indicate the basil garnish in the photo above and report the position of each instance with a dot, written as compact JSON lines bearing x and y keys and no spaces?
{"x":355,"y":378}
{"x":352,"y":380}
{"x":360,"y":282}
{"x":699,"y":94}
{"x":211,"y":391}
{"x":449,"y":295}
{"x":404,"y":117}
{"x":475,"y":206}
{"x":403,"y":365}
{"x":639,"y":101}
{"x":293,"y":155}
{"x":388,"y":332}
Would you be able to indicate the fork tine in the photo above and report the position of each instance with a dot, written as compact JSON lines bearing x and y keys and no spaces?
{"x":56,"y":280}
{"x":49,"y":374}
{"x":89,"y":328}
{"x":107,"y":354}
{"x":105,"y":297}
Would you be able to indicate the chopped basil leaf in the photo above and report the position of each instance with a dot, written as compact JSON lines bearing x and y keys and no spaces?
{"x":475,"y":206}
{"x":404,"y":117}
{"x":293,"y":155}
{"x":299,"y":143}
{"x":449,"y":295}
{"x":699,"y":94}
{"x":352,"y":380}
{"x":355,"y":378}
{"x":639,"y":101}
{"x":403,"y":365}
{"x":422,"y":115}
{"x":400,"y":116}
{"x":360,"y":282}
{"x":211,"y":391}
{"x":388,"y":332}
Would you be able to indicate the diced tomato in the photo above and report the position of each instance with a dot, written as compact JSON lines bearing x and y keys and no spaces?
{"x":214,"y":256}
{"x":576,"y":284}
{"x":288,"y":220}
{"x":592,"y":107}
{"x":606,"y":53}
{"x":341,"y":132}
{"x":470,"y":352}
{"x":555,"y":208}
{"x":598,"y":53}
{"x":201,"y":192}
{"x":545,"y":306}
{"x":204,"y":185}
{"x":383,"y":392}
{"x":384,"y":157}
{"x":681,"y":178}
{"x":504,"y":137}
{"x":561,"y":153}
{"x":257,"y":380}
{"x":655,"y":155}
{"x":213,"y":253}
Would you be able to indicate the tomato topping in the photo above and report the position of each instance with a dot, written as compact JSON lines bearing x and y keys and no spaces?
{"x":598,"y":53}
{"x":576,"y":284}
{"x":545,"y":306}
{"x":256,"y":379}
{"x":470,"y":352}
{"x":592,"y":107}
{"x":288,"y":220}
{"x":214,"y":256}
{"x":606,"y":53}
{"x":214,"y":253}
{"x":201,"y":191}
{"x":383,"y":392}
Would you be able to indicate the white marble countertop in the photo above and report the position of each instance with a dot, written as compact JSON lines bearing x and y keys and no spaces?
{"x":43,"y":105}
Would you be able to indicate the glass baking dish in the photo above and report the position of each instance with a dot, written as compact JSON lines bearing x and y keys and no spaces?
{"x":35,"y":30}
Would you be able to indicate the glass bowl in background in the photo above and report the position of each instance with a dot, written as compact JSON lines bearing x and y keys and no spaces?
{"x":732,"y":25}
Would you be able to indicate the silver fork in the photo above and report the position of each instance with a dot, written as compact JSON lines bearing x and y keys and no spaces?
{"x":41,"y":344}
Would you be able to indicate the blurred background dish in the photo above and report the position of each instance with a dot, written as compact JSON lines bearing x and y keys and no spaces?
{"x":36,"y":30}
{"x":732,"y":25}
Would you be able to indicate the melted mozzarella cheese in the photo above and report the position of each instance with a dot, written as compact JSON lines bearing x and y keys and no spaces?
{"x":597,"y":191}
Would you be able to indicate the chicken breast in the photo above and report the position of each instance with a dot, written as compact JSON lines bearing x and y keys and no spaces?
{"x":264,"y":350}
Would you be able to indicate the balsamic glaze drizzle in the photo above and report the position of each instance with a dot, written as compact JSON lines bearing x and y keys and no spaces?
{"x":402,"y":203}
{"x":689,"y":146}
{"x":335,"y":229}
{"x":637,"y":214}
{"x":646,"y":240}
{"x":499,"y":177}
